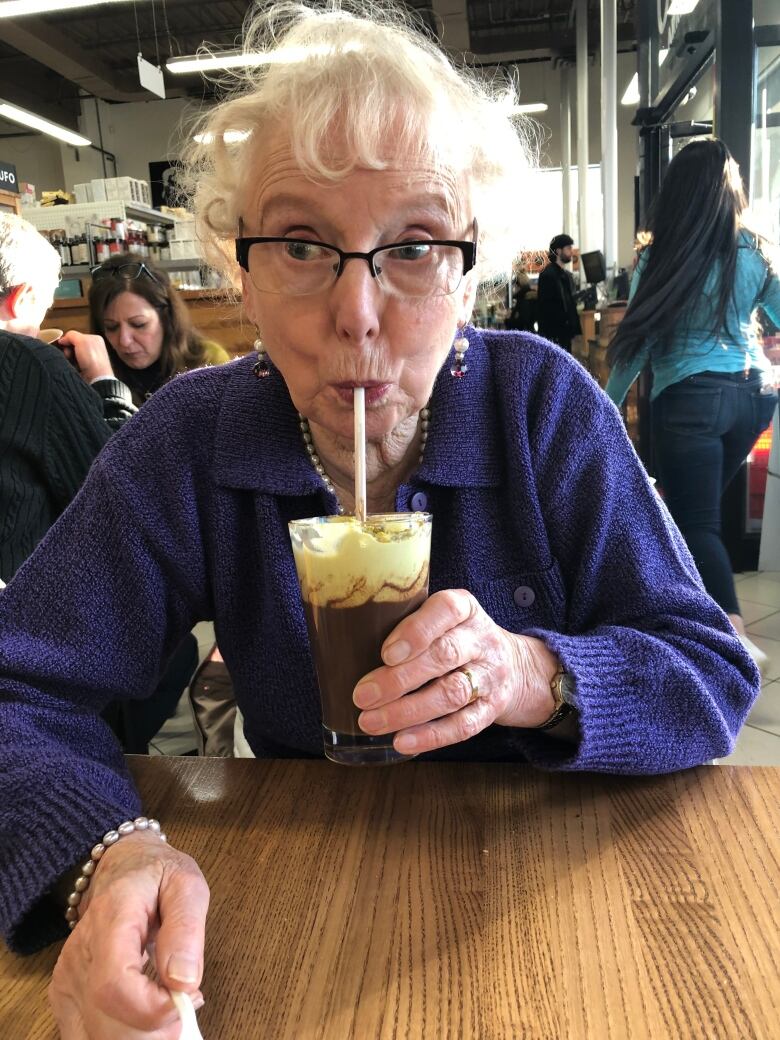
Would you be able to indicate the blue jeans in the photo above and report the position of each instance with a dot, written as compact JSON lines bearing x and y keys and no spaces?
{"x":703,"y":430}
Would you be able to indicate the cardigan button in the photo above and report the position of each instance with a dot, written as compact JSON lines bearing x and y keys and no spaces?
{"x":419,"y":502}
{"x":524,"y":596}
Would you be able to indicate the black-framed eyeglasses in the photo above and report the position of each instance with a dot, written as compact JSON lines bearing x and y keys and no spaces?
{"x":300,"y":266}
{"x":130,"y":271}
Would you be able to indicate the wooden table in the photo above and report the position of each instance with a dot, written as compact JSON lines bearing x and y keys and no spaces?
{"x":432,"y":901}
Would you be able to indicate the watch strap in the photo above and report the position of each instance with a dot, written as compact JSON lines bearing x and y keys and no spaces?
{"x":561,"y":689}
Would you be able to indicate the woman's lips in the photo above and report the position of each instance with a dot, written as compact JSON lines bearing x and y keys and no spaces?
{"x":375,"y":392}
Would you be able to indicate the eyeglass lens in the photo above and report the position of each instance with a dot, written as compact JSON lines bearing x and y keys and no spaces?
{"x":299,"y":268}
{"x":124,"y":271}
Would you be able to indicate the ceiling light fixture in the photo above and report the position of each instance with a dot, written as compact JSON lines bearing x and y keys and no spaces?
{"x":17,"y":8}
{"x":212,"y":62}
{"x":241,"y":60}
{"x":535,"y":106}
{"x":229,"y":137}
{"x":21,"y":115}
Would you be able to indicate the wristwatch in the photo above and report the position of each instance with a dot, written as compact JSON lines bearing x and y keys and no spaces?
{"x":562,"y":689}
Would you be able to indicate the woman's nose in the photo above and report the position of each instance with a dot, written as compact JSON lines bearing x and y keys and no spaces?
{"x":125,"y":335}
{"x":357,"y":301}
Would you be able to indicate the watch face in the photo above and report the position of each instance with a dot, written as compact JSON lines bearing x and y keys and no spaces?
{"x":567,"y":688}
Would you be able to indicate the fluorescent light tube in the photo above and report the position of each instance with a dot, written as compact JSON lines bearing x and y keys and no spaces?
{"x":20,"y":115}
{"x":535,"y":106}
{"x":17,"y":8}
{"x":238,"y":59}
{"x":229,"y":137}
{"x":211,"y":62}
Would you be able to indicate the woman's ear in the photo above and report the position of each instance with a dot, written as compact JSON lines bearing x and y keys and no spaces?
{"x":247,"y":297}
{"x":469,"y":296}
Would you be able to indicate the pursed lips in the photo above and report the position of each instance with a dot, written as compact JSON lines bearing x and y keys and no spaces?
{"x":375,"y":390}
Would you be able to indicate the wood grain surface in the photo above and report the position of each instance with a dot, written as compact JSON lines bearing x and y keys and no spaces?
{"x":435,"y":902}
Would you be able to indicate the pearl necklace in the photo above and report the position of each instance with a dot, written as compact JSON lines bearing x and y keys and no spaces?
{"x":308,"y":440}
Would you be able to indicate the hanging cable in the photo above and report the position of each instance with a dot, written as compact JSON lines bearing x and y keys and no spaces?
{"x":168,"y":36}
{"x":154,"y":30}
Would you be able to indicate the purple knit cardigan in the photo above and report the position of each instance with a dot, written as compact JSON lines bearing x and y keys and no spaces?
{"x":541,"y":509}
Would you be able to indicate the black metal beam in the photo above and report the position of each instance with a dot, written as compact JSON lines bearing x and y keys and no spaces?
{"x":500,"y":40}
{"x":734,"y":101}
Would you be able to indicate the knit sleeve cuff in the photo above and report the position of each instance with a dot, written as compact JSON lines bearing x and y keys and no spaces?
{"x":114,"y":389}
{"x":631,"y":721}
{"x":78,"y":815}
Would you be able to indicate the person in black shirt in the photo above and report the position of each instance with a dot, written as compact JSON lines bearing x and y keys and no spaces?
{"x":558,"y":318}
{"x":58,"y":404}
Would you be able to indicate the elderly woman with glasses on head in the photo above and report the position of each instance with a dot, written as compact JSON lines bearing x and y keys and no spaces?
{"x":146,"y":325}
{"x":366,"y":186}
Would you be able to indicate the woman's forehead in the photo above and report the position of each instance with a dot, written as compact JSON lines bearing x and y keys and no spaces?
{"x":276,"y":182}
{"x":129,"y":301}
{"x":284,"y":190}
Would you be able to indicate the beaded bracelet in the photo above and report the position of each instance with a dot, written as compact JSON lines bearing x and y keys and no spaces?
{"x":141,"y":823}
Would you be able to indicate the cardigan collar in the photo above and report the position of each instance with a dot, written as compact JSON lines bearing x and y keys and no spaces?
{"x":258,"y":442}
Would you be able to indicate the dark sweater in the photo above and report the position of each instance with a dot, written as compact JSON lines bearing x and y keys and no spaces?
{"x":541,"y":509}
{"x":52,"y":425}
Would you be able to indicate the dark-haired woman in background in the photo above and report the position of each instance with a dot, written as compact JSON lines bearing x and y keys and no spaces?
{"x":139,"y":313}
{"x":146,"y":325}
{"x":690,"y":314}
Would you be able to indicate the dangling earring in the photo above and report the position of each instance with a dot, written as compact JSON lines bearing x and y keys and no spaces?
{"x":261,"y":368}
{"x":461,"y":345}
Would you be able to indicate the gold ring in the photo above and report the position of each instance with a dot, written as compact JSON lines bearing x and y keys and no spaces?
{"x":472,"y":684}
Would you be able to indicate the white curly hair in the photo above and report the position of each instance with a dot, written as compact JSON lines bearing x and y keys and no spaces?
{"x":26,"y":258}
{"x":363,"y":68}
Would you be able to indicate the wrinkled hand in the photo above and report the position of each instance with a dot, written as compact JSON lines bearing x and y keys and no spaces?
{"x":143,"y":895}
{"x":88,"y":352}
{"x":424,"y":653}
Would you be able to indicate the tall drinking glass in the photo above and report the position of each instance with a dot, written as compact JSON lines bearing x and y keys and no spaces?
{"x":358,"y":580}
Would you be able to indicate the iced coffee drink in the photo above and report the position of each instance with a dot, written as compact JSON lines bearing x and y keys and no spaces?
{"x":358,"y":580}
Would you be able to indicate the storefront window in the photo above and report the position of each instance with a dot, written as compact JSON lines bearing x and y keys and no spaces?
{"x":544,"y":218}
{"x":765,"y":173}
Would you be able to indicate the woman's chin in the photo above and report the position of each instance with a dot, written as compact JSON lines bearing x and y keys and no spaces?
{"x":340,"y":422}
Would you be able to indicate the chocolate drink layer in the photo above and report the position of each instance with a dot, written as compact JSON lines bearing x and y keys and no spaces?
{"x":357,"y":582}
{"x":346,"y":643}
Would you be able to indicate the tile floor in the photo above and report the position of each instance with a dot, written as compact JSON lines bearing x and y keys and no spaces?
{"x":758,"y":743}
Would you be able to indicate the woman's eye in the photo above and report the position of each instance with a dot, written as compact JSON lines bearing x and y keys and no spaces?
{"x":304,"y":250}
{"x":411,"y":251}
{"x":142,"y":326}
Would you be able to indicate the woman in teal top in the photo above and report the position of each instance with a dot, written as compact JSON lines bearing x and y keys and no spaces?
{"x":691,"y":315}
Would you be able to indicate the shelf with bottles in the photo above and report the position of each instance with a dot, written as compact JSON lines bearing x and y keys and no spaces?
{"x":111,"y":237}
{"x":86,"y":234}
{"x":76,"y":216}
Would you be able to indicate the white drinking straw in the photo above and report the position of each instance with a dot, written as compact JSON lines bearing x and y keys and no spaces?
{"x":189,"y":1023}
{"x":359,"y":403}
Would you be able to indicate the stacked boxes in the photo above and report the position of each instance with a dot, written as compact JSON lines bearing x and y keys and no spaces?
{"x":182,"y":241}
{"x":106,"y":189}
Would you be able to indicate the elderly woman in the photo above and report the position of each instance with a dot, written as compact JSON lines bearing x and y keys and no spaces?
{"x":373,"y":188}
